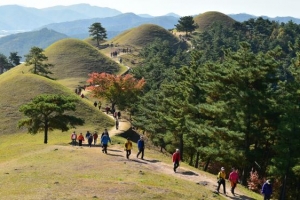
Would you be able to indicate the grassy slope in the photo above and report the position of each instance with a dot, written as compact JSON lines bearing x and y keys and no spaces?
{"x":18,"y":88}
{"x":143,"y":35}
{"x":75,"y":59}
{"x":32,"y":170}
{"x":204,"y":20}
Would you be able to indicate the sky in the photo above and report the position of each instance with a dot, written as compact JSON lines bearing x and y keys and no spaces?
{"x":270,"y":8}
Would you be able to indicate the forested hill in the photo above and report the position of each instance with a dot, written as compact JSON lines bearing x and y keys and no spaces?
{"x":232,"y":101}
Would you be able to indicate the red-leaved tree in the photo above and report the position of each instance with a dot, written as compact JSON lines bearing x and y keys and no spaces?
{"x":116,"y":89}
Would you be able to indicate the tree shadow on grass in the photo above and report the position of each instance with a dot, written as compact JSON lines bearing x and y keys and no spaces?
{"x":116,"y":155}
{"x":188,"y":173}
{"x":241,"y":197}
{"x":152,"y":161}
{"x":134,"y":136}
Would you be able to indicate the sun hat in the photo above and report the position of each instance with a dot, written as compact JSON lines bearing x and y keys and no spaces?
{"x":222,"y":168}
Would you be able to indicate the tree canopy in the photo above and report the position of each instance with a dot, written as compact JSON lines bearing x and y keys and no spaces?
{"x":186,"y":24}
{"x":47,"y":112}
{"x":118,"y":90}
{"x":97,"y":32}
{"x":37,"y":58}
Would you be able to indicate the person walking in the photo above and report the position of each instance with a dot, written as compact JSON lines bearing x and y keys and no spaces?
{"x":80,"y":139}
{"x":95,"y":104}
{"x":128,"y":147}
{"x":95,"y":135}
{"x":90,"y":140}
{"x":233,"y":178}
{"x":267,"y":190}
{"x":104,"y":141}
{"x":221,"y":180}
{"x":176,"y":159}
{"x":87,"y":135}
{"x":74,"y":138}
{"x":104,"y":132}
{"x":117,"y":124}
{"x":141,"y":147}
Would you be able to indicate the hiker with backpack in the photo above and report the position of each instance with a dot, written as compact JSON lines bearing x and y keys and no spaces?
{"x":80,"y":139}
{"x":90,"y":140}
{"x":128,"y":147}
{"x":74,"y":138}
{"x":104,"y":141}
{"x":221,"y":180}
{"x":176,"y":159}
{"x":141,"y":147}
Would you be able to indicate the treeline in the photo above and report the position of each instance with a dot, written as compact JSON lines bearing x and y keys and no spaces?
{"x":231,"y":101}
{"x":10,"y":62}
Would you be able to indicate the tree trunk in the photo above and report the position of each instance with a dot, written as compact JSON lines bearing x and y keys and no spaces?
{"x":197,"y":160}
{"x":46,"y":133}
{"x":191,"y":159}
{"x":206,"y":164}
{"x":181,"y":146}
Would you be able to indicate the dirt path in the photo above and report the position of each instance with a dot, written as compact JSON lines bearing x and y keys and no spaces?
{"x":182,"y":172}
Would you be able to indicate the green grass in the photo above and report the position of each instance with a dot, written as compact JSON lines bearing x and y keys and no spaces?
{"x":32,"y":170}
{"x":76,"y":59}
{"x":18,"y":88}
{"x":143,"y":35}
{"x":206,"y":19}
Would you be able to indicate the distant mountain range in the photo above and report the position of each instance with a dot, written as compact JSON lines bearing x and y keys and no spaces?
{"x":23,"y":27}
{"x":18,"y":18}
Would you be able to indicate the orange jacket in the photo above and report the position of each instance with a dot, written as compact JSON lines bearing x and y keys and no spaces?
{"x":80,"y":137}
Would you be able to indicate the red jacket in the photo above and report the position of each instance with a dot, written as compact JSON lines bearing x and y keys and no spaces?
{"x":80,"y":137}
{"x":176,"y":156}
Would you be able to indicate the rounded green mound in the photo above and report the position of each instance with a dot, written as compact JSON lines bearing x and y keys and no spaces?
{"x":143,"y":35}
{"x":73,"y":58}
{"x":205,"y":20}
{"x":18,"y":88}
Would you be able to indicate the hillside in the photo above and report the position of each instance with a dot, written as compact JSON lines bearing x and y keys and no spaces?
{"x":144,"y":35}
{"x":22,"y":42}
{"x":208,"y":18}
{"x":75,"y":59}
{"x":18,"y":88}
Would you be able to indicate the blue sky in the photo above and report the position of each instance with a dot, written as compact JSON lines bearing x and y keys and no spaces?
{"x":271,"y":8}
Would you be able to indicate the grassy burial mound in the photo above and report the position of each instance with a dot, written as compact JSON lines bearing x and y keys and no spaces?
{"x":205,"y":20}
{"x":74,"y":58}
{"x":17,"y":88}
{"x":143,"y":35}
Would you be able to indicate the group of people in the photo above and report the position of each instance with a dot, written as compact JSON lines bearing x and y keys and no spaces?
{"x":91,"y":138}
{"x":140,"y":144}
{"x":221,"y":177}
{"x":234,"y":178}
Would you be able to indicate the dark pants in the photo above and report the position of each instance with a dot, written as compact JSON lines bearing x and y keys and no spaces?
{"x":141,"y":150}
{"x":104,"y":148}
{"x":95,"y":141}
{"x":176,"y":165}
{"x":74,"y":142}
{"x":267,"y":197}
{"x":221,"y":182}
{"x":80,"y":142}
{"x":233,"y":186}
{"x":128,"y":152}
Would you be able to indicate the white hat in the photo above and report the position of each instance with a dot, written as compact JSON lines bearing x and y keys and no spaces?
{"x":222,"y":168}
{"x":268,"y":181}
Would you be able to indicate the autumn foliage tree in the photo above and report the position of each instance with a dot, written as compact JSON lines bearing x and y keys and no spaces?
{"x":116,"y":89}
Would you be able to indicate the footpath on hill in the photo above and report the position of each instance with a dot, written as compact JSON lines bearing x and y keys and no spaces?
{"x":182,"y":172}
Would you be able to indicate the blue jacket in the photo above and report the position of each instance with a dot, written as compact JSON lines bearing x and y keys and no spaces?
{"x":105,"y":139}
{"x":266,"y":189}
{"x":141,"y":144}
